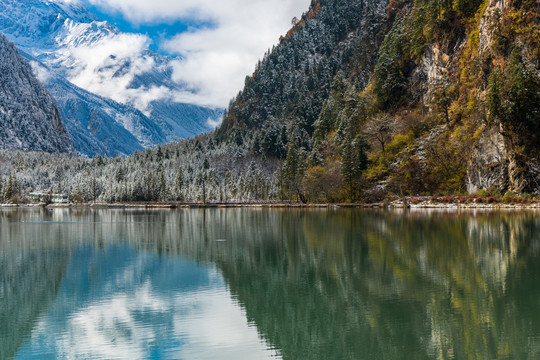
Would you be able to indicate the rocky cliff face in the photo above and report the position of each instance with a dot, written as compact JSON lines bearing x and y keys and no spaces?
{"x":504,"y":158}
{"x":495,"y":164}
{"x":29,"y":117}
{"x":488,"y":165}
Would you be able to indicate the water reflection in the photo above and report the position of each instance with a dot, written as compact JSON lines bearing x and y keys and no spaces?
{"x":240,"y":283}
{"x":119,"y":295}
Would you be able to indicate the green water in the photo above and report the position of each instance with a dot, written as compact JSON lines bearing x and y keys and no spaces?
{"x":261,"y":283}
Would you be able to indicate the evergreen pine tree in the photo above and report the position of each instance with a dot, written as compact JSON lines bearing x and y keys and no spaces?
{"x":294,"y":169}
{"x":163,"y":191}
{"x":11,"y":191}
{"x":348,"y":168}
{"x":204,"y":177}
{"x":159,"y":154}
{"x":494,"y":94}
{"x":179,"y":185}
{"x":353,"y":162}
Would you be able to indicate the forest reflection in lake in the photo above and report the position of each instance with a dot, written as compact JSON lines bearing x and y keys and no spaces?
{"x":264,"y":283}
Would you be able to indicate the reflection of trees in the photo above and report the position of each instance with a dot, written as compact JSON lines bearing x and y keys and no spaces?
{"x":341,"y":284}
{"x":363,"y":285}
{"x":459,"y":268}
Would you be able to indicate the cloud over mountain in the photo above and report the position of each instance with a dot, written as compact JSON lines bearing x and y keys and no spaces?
{"x":214,"y":57}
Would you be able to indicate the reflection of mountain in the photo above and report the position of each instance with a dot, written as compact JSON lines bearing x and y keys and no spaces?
{"x":353,"y":285}
{"x":29,"y":281}
{"x":27,"y":288}
{"x":317,"y":284}
{"x":114,"y":298}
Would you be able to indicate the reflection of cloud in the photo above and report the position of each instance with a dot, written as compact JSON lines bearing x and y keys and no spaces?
{"x":107,"y":329}
{"x":219,"y":326}
{"x":201,"y":324}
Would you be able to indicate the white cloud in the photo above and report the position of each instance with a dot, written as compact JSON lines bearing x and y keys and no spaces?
{"x":216,"y":59}
{"x":214,"y":123}
{"x":41,"y":73}
{"x":109,"y":65}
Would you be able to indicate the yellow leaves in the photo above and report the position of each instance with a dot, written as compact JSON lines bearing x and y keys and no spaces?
{"x":315,"y":10}
{"x":368,"y":91}
{"x":479,"y":131}
{"x":323,"y":184}
{"x":470,"y":53}
{"x":380,"y":162}
{"x":332,"y":134}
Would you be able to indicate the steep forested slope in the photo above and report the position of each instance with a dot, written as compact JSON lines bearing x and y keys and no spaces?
{"x":292,"y":81}
{"x":402,"y":96}
{"x":29,"y":118}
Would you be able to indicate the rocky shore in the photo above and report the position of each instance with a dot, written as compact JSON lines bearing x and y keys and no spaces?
{"x":404,"y":203}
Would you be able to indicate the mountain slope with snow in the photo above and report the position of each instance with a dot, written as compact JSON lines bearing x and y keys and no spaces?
{"x":98,"y":125}
{"x":29,"y":118}
{"x":93,"y":62}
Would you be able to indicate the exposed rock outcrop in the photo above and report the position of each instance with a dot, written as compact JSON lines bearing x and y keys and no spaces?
{"x":488,"y":166}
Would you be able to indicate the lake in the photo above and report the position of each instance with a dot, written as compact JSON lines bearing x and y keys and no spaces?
{"x":269,"y":284}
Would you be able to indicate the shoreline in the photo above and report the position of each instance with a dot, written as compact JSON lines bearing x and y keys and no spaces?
{"x":399,"y":204}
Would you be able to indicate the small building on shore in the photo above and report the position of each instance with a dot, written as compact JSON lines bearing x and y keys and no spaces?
{"x":48,"y":197}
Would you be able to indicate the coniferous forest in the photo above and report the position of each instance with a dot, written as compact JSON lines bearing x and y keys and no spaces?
{"x":360,"y":100}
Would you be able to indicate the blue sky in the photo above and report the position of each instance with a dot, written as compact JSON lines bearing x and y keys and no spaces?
{"x":157,"y":32}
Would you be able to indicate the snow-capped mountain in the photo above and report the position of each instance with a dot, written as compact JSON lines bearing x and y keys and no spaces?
{"x":98,"y":125}
{"x":115,"y":94}
{"x":29,"y":118}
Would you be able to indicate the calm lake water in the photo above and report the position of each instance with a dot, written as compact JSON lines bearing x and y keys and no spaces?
{"x":261,"y":283}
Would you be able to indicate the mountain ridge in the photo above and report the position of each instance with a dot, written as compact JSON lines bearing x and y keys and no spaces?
{"x":91,"y":119}
{"x":29,"y":117}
